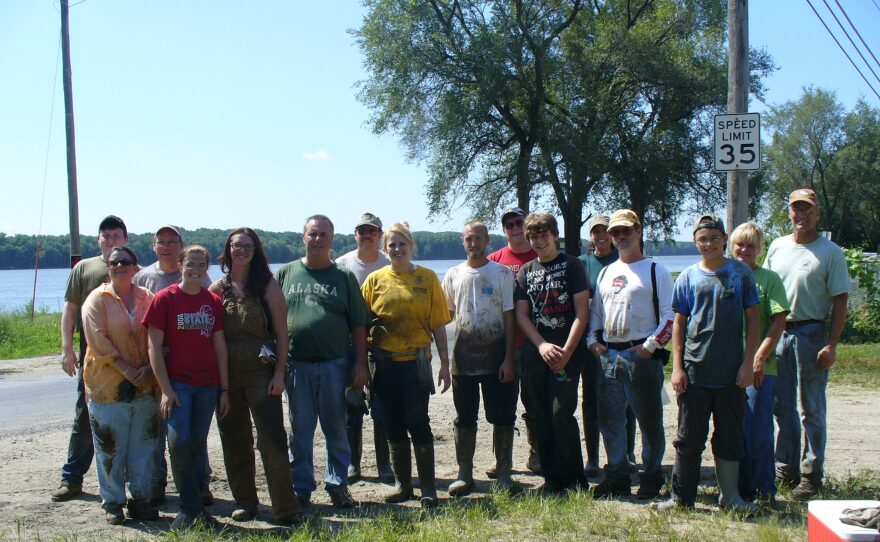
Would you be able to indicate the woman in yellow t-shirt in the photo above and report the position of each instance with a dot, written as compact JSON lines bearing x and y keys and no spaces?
{"x":409,"y":310}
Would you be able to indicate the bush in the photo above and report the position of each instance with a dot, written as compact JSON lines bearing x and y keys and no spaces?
{"x":863,"y":315}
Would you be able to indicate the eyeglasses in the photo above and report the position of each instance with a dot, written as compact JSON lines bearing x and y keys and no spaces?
{"x":247,"y":247}
{"x":714,"y":240}
{"x":119,"y":263}
{"x":513,"y":224}
{"x":167,"y":243}
{"x":366,"y":230}
{"x":621,"y":231}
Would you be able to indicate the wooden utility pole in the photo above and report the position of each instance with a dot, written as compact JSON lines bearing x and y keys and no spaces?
{"x":73,"y":198}
{"x":737,"y":102}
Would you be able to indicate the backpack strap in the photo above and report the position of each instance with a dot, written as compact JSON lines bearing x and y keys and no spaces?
{"x":654,"y":292}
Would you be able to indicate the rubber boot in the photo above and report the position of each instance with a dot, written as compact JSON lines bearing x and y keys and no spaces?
{"x":401,"y":462}
{"x":465,"y":444}
{"x":383,"y":462}
{"x":591,"y":439}
{"x":534,"y":463}
{"x":355,"y":442}
{"x":425,"y":465}
{"x":727,"y":473}
{"x":502,"y":441}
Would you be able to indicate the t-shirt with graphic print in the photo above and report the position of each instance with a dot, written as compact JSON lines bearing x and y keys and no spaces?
{"x":549,"y":289}
{"x":189,"y":321}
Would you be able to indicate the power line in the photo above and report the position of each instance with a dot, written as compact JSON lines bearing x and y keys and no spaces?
{"x":857,"y":31}
{"x":856,"y":47}
{"x":843,"y":50}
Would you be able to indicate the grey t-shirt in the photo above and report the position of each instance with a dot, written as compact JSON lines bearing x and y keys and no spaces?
{"x":359,"y":267}
{"x":154,"y":279}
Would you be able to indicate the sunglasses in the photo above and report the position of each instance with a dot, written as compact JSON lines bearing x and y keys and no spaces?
{"x":120,"y":263}
{"x":621,"y":230}
{"x":513,"y":224}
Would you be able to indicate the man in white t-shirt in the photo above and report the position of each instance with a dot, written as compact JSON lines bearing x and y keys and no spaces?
{"x":628,"y":334}
{"x":814,"y":273}
{"x":362,"y":261}
{"x":479,"y":293}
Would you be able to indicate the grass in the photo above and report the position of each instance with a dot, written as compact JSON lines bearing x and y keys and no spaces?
{"x":858,"y":365}
{"x":574,"y":517}
{"x":22,"y":338}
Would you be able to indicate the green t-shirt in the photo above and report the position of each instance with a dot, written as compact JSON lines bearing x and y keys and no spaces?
{"x":594,"y":264}
{"x":771,"y":301}
{"x":85,"y":276}
{"x":323,"y":306}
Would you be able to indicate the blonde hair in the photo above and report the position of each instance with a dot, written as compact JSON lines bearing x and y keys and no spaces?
{"x":477,"y":225}
{"x":748,"y":232}
{"x":401,"y":228}
{"x":189,"y":249}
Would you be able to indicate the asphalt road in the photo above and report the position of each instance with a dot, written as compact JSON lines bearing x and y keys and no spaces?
{"x":33,"y":402}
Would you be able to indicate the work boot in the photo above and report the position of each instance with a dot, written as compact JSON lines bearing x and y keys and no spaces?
{"x":66,"y":491}
{"x":383,"y":462}
{"x":355,"y":442}
{"x":142,"y":510}
{"x":465,"y":444}
{"x":502,"y":441}
{"x":534,"y":463}
{"x":401,"y":463}
{"x":807,"y":489}
{"x":425,"y":464}
{"x":786,"y":477}
{"x":727,"y":473}
{"x":113,"y":513}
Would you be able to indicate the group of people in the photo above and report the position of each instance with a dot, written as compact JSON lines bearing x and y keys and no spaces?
{"x":163,"y":349}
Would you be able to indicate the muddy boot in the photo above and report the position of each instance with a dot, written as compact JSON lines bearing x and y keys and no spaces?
{"x":727,"y":473}
{"x":401,"y":462}
{"x":425,"y":465}
{"x":465,"y":443}
{"x":502,"y":441}
{"x":355,"y":442}
{"x":534,"y":463}
{"x":809,"y":485}
{"x":383,"y":462}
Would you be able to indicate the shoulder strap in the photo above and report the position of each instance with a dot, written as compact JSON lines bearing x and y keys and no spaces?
{"x":654,"y":292}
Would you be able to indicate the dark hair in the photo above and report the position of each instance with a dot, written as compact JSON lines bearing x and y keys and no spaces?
{"x":259,"y":273}
{"x":128,"y":251}
{"x":539,"y":223}
{"x":113,"y":222}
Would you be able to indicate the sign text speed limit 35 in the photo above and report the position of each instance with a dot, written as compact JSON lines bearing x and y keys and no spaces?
{"x":738,"y":142}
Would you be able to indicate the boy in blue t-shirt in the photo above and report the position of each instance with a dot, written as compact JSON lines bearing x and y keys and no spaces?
{"x":710,"y":369}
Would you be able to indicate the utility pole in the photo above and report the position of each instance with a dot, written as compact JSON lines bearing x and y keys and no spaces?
{"x":73,"y":198}
{"x":737,"y":102}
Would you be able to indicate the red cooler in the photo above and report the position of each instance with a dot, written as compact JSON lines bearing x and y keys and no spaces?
{"x":824,"y":525}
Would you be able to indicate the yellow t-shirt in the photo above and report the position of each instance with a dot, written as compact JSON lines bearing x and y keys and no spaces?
{"x":405,"y":308}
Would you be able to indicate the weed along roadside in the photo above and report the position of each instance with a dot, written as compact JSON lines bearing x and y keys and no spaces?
{"x":34,"y":453}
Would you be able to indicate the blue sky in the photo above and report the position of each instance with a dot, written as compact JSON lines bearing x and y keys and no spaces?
{"x":220,"y":114}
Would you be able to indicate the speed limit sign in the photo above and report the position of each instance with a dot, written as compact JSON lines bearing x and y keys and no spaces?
{"x":738,"y":142}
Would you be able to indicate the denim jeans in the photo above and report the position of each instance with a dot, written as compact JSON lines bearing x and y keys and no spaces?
{"x":625,"y":380}
{"x":757,"y":472}
{"x":188,"y":429}
{"x":499,"y":400}
{"x":799,"y":377}
{"x":125,"y":437}
{"x":316,"y":392}
{"x":80,"y":449}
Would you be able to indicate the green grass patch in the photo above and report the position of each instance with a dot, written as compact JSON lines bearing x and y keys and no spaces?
{"x":857,"y":364}
{"x":22,"y":338}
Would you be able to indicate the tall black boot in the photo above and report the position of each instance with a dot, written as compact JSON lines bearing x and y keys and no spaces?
{"x":401,"y":462}
{"x":425,"y":465}
{"x":383,"y":462}
{"x":465,"y":444}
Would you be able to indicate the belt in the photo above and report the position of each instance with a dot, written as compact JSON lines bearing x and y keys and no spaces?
{"x":625,"y":345}
{"x":801,"y":323}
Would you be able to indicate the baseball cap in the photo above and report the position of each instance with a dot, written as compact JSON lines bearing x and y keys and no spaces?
{"x":368,"y":219}
{"x":511,"y":211}
{"x":625,"y":218}
{"x":803,"y":194}
{"x":112,"y":222}
{"x":709,"y":222}
{"x":171,"y":227}
{"x":598,"y":220}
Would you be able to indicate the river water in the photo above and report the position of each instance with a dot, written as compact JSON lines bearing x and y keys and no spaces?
{"x":17,"y":286}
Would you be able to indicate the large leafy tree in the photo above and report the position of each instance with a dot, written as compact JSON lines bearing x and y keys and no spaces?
{"x":591,"y":105}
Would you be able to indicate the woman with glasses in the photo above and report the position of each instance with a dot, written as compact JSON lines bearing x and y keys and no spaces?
{"x":255,"y":317}
{"x":122,"y":392}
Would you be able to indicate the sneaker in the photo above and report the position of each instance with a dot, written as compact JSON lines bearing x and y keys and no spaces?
{"x":244,"y":514}
{"x":340,"y":496}
{"x":807,"y":489}
{"x":606,"y":488}
{"x":141,"y":509}
{"x":670,"y":504}
{"x":66,"y":491}
{"x":113,"y":514}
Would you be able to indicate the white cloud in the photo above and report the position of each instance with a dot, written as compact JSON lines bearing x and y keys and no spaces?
{"x":316,"y":155}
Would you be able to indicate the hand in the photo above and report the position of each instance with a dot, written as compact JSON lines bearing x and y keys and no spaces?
{"x":68,"y":362}
{"x":598,"y":349}
{"x":827,"y":357}
{"x":276,"y":385}
{"x":443,"y":377}
{"x":558,"y":364}
{"x":550,"y":352}
{"x":222,"y":404}
{"x":641,"y":351}
{"x":140,"y":376}
{"x":679,"y":381}
{"x":506,"y":372}
{"x":167,"y":404}
{"x":359,"y":376}
{"x":758,"y":370}
{"x":745,"y":376}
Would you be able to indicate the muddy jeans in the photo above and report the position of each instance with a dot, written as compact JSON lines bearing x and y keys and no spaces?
{"x":188,"y":429}
{"x":125,"y":436}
